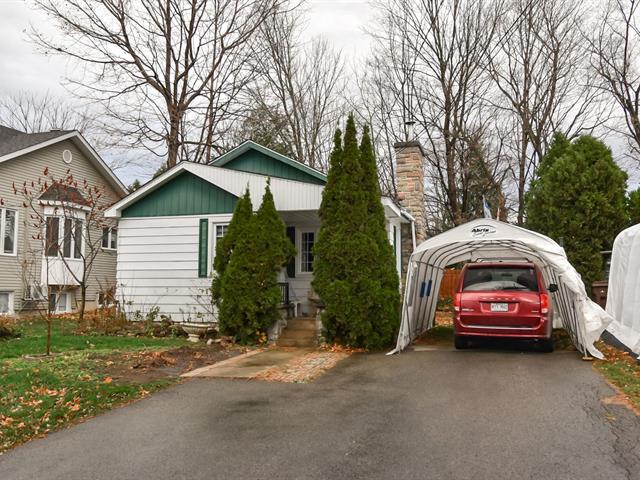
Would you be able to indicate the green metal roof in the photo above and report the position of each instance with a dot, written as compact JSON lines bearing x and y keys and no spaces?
{"x":254,"y":158}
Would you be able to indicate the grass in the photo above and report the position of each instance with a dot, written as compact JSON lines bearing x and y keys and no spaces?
{"x":34,"y":336}
{"x":44,"y":394}
{"x":622,"y":371}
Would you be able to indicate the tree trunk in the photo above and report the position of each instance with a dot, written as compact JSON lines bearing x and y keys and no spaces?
{"x":83,"y":301}
{"x":48,"y":331}
{"x":172,"y":141}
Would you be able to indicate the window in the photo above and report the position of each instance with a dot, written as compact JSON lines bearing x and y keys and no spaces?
{"x":33,"y":292}
{"x":60,"y":302}
{"x":110,"y":238}
{"x":106,"y":298}
{"x":8,"y":229}
{"x":307,"y":241}
{"x":487,"y":279}
{"x":6,"y":303}
{"x":63,"y":237}
{"x":218,"y":230}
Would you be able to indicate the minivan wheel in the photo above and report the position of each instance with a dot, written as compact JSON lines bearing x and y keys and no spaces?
{"x":546,"y":345}
{"x":461,"y":342}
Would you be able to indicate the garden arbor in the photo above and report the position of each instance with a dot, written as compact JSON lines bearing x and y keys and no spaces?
{"x":492,"y":239}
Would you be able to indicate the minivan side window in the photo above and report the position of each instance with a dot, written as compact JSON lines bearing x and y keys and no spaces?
{"x":486,"y":279}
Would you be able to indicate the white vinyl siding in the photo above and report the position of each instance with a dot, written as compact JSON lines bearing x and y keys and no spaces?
{"x":158,"y":266}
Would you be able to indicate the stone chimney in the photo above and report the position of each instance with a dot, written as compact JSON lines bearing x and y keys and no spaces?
{"x":410,"y":182}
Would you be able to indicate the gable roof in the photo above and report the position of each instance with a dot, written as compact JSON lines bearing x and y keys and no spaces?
{"x":14,"y":143}
{"x":244,"y":147}
{"x":288,"y":195}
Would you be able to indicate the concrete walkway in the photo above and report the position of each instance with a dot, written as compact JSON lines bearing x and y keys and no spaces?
{"x":250,"y":364}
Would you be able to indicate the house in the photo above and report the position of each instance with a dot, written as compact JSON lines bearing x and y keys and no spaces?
{"x":168,"y":229}
{"x":25,"y":283}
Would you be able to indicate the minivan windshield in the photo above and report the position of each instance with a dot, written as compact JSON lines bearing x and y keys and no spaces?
{"x":492,"y":278}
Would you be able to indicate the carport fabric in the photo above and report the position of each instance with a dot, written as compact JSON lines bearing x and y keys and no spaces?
{"x":623,"y":297}
{"x":491,"y":239}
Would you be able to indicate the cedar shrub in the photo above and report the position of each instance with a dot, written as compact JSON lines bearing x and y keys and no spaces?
{"x":354,"y":267}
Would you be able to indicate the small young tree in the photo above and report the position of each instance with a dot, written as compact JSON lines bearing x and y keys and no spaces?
{"x":354,"y":268}
{"x":68,"y":218}
{"x":238,"y":228}
{"x":249,"y":285}
{"x":579,"y":198}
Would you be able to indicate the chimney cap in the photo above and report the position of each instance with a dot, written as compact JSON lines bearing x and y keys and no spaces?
{"x":410,"y":144}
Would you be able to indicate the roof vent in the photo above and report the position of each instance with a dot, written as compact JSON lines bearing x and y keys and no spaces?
{"x":67,"y":156}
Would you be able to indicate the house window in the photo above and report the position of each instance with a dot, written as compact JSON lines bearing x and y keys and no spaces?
{"x":6,"y":303}
{"x":307,"y":240}
{"x":60,"y":302}
{"x":107,"y":297}
{"x":8,"y":229}
{"x":63,"y":237}
{"x":218,"y":230}
{"x":110,"y":238}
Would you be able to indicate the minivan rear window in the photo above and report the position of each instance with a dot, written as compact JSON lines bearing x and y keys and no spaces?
{"x":484,"y":279}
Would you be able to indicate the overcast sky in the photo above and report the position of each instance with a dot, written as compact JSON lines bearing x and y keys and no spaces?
{"x":23,"y":68}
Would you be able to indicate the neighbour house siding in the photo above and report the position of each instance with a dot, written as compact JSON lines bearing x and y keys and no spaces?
{"x":253,"y":161}
{"x":186,"y":194}
{"x":15,"y":272}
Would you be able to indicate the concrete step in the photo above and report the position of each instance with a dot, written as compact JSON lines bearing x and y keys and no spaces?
{"x":291,"y":342}
{"x":298,"y":334}
{"x":301,"y":324}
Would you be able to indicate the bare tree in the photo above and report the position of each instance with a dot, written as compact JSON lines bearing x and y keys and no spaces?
{"x":31,"y":113}
{"x":300,"y":84}
{"x":614,"y":44}
{"x":437,"y":51}
{"x":542,"y":80}
{"x":167,"y":71}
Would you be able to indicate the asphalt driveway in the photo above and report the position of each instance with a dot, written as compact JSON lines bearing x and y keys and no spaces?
{"x":423,"y":415}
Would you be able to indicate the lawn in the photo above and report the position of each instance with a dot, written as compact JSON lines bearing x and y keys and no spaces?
{"x":42,"y":394}
{"x":621,"y":370}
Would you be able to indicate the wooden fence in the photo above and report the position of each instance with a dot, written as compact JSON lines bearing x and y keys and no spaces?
{"x":449,"y":283}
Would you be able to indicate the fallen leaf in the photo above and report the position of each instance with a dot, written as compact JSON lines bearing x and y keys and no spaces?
{"x":107,"y":380}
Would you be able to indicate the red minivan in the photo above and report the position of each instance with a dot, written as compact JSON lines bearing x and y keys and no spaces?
{"x":503,"y":299}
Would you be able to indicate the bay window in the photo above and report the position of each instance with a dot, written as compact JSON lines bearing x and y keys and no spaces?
{"x":63,"y":237}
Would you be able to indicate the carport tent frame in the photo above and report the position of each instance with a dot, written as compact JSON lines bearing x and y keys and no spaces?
{"x":491,"y":239}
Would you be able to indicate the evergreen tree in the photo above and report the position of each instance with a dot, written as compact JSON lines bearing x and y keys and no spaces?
{"x":238,"y":227}
{"x":579,"y":197}
{"x":354,"y":264}
{"x":633,"y":206}
{"x":249,"y":287}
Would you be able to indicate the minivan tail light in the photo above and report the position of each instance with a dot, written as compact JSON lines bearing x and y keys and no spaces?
{"x":457,"y":301}
{"x":544,"y":303}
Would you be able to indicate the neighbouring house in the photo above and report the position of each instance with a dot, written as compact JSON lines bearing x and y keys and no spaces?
{"x":25,"y":284}
{"x":168,"y":228}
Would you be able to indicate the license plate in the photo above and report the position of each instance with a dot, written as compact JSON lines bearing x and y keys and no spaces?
{"x":499,"y":307}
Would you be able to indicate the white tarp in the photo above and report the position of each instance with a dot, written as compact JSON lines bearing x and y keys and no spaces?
{"x":623,"y":298}
{"x":490,"y":239}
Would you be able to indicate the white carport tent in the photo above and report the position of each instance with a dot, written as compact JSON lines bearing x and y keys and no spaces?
{"x":486,"y":239}
{"x":623,"y":298}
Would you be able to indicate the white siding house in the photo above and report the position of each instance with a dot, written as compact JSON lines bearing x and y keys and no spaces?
{"x":169,"y":227}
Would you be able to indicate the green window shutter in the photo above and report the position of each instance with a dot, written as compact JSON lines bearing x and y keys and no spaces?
{"x":395,"y":241}
{"x":203,"y":247}
{"x":291,"y":266}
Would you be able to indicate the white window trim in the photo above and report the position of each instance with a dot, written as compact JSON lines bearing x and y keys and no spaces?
{"x":10,"y":303}
{"x":62,"y":218}
{"x":16,"y":235}
{"x":213,"y":240}
{"x":109,"y":248}
{"x":299,"y":233}
{"x":68,"y":308}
